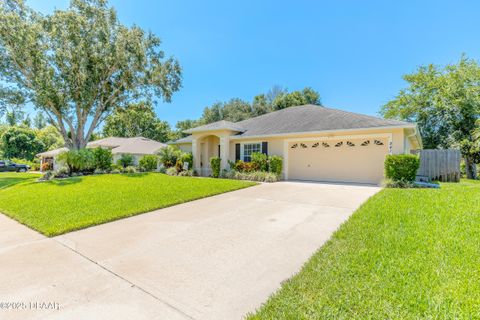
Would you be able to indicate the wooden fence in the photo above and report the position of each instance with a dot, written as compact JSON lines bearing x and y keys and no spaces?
{"x":443,"y":165}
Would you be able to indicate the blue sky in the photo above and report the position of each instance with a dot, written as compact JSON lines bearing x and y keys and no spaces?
{"x":353,"y":53}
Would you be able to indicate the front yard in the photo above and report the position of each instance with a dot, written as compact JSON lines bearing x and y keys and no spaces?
{"x":59,"y":206}
{"x":405,"y":254}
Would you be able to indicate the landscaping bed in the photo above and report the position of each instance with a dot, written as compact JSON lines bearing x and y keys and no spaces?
{"x":58,"y":206}
{"x":404,"y":254}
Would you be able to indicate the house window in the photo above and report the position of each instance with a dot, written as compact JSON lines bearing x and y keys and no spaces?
{"x":249,"y":148}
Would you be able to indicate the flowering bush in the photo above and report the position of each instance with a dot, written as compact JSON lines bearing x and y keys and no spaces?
{"x":46,"y":166}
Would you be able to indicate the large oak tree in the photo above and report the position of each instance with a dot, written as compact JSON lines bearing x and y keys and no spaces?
{"x":78,"y":65}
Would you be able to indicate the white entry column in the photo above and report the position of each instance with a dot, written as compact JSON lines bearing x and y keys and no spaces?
{"x":196,"y":152}
{"x":224,"y":151}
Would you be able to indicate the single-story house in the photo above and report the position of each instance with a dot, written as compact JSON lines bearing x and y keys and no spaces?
{"x":317,"y":143}
{"x":137,"y":147}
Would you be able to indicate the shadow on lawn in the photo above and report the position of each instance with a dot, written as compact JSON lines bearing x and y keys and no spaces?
{"x":65,"y":182}
{"x":135,"y":175}
{"x":8,"y":182}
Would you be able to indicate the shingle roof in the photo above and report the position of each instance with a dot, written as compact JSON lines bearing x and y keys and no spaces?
{"x":311,"y":118}
{"x":306,"y":118}
{"x":219,"y":125}
{"x":187,"y":139}
{"x":109,"y":142}
{"x":139,"y":145}
{"x":52,"y":153}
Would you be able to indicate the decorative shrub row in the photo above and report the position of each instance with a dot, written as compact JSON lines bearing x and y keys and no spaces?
{"x":260,"y":162}
{"x":261,"y":176}
{"x":262,"y":168}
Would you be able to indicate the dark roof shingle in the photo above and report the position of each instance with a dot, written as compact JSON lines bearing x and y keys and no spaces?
{"x":300,"y":119}
{"x":311,"y":118}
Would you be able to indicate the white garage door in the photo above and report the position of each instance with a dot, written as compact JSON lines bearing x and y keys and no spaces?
{"x":354,"y":160}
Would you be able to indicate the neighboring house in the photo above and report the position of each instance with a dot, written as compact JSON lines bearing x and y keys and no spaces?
{"x":137,"y":147}
{"x":316,"y":143}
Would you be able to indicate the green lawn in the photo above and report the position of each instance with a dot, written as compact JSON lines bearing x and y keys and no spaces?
{"x":405,"y":254}
{"x":59,"y":206}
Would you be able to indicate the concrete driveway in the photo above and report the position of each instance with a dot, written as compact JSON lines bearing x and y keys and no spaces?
{"x":215,"y":258}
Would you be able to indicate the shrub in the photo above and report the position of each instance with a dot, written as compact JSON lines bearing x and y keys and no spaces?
{"x":47,"y":166}
{"x":126,"y":160}
{"x":47,"y":176}
{"x":130,"y":169}
{"x":187,"y":157}
{"x":169,"y":155}
{"x":215,"y":165}
{"x":60,"y":173}
{"x":242,"y":166}
{"x":102,"y":158}
{"x":260,"y":160}
{"x":172,"y":171}
{"x":179,"y":165}
{"x":162,"y":169}
{"x":275,"y":165}
{"x":401,"y":167}
{"x":115,"y":171}
{"x":261,"y":176}
{"x":100,"y":171}
{"x":116,"y":167}
{"x":149,"y":163}
{"x":78,"y":160}
{"x":399,"y":184}
{"x":186,"y":173}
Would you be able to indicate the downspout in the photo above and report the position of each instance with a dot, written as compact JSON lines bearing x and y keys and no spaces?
{"x":415,"y":133}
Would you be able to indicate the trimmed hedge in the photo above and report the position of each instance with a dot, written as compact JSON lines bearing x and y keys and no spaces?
{"x":215,"y":165}
{"x":275,"y":165}
{"x":401,"y":167}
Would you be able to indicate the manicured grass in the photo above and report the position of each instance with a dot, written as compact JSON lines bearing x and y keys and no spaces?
{"x":59,"y":206}
{"x":405,"y":254}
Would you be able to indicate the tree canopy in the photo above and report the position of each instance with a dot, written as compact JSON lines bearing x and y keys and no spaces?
{"x":445,"y":102}
{"x":135,"y":120}
{"x":18,"y":142}
{"x":77,"y":65}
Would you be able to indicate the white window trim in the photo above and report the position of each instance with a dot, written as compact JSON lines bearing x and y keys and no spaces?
{"x":242,"y":147}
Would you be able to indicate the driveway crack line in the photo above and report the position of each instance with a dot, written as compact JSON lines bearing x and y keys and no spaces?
{"x":126,"y":280}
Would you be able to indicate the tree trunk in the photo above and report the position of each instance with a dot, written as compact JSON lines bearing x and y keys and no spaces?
{"x":470,"y":168}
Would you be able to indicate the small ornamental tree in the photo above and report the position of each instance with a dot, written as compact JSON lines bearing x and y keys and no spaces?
{"x":168,"y":156}
{"x":81,"y":160}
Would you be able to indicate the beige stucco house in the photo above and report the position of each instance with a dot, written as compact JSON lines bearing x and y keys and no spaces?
{"x":316,"y":143}
{"x":137,"y":147}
